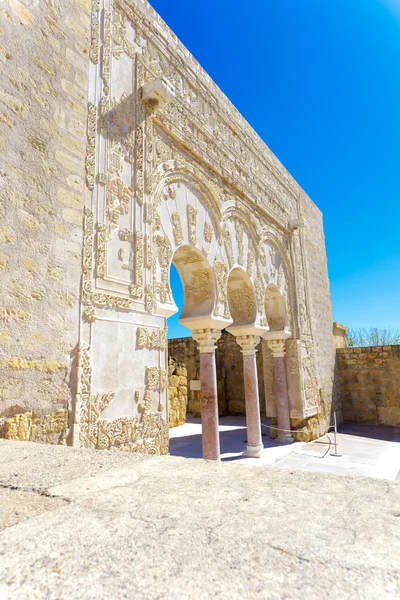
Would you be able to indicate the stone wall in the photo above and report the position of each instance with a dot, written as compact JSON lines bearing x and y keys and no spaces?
{"x":43,"y":98}
{"x":369,"y":380}
{"x":229,"y":360}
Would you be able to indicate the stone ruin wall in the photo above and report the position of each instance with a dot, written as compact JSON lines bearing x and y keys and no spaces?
{"x":369,"y":380}
{"x":44,"y":57}
{"x":60,"y":137}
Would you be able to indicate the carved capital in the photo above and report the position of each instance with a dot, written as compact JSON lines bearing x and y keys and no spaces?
{"x":248,"y":343}
{"x":277,"y":347}
{"x":206,"y":339}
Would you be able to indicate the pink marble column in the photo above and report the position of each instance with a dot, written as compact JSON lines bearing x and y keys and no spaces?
{"x":281,"y":390}
{"x":248,"y":344}
{"x":207,"y":338}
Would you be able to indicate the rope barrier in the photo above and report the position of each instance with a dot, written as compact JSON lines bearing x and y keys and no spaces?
{"x":293,"y":430}
{"x":334,"y":427}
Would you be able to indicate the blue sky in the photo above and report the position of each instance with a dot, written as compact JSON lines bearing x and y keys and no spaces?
{"x":327,"y":103}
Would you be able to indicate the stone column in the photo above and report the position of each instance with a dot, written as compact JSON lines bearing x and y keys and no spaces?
{"x":281,"y":390}
{"x":248,"y":344}
{"x":207,"y":338}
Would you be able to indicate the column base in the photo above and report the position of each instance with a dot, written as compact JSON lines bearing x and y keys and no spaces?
{"x":253,"y":451}
{"x":285,"y":438}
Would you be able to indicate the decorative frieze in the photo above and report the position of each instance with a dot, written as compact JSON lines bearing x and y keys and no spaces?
{"x":192,"y":218}
{"x":88,"y":295}
{"x":150,"y":299}
{"x":250,"y":259}
{"x":228,"y":244}
{"x":177,"y":228}
{"x":200,"y":284}
{"x":90,"y":158}
{"x":101,"y":240}
{"x":94,"y":32}
{"x":162,"y":287}
{"x":155,"y":339}
{"x":239,"y":241}
{"x":156,"y":378}
{"x":221,"y":276}
{"x":164,"y":250}
{"x":242,"y":305}
{"x":208,"y":232}
{"x":90,"y":314}
{"x":106,"y":52}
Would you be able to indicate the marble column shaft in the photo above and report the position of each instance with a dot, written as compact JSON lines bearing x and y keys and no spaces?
{"x":253,"y":418}
{"x":281,"y":391}
{"x":209,"y":396}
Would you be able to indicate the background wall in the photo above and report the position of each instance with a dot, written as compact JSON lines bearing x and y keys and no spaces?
{"x":229,"y":359}
{"x":369,"y":380}
{"x":44,"y":64}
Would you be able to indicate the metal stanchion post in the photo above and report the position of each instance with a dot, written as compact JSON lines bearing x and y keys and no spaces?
{"x":334,"y":434}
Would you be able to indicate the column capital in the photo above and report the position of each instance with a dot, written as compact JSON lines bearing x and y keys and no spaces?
{"x":277,"y":347}
{"x":248,"y":344}
{"x":206,"y":339}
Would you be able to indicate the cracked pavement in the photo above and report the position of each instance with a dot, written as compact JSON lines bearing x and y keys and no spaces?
{"x":91,"y":524}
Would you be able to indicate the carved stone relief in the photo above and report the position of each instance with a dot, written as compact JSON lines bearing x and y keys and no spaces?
{"x":192,"y":217}
{"x":199,"y":284}
{"x":208,"y":232}
{"x":155,"y":339}
{"x":177,"y":228}
{"x":221,"y":274}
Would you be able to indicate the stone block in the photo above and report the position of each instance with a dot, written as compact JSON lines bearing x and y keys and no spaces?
{"x":51,"y":428}
{"x":19,"y":427}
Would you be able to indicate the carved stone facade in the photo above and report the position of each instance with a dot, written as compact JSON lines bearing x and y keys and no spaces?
{"x":189,"y":182}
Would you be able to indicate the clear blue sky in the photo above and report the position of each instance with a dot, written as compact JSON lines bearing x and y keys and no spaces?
{"x":324,"y":77}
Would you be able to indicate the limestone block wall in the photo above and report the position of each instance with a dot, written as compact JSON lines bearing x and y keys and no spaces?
{"x":44,"y":55}
{"x":229,"y":361}
{"x":369,"y":380}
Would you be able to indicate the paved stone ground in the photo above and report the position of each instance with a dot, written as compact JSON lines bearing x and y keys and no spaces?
{"x":118,"y":526}
{"x":185,"y":441}
{"x":364,"y":450}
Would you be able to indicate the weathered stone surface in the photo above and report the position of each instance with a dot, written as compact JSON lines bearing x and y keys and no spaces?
{"x":369,"y":380}
{"x":37,"y":39}
{"x":49,"y":429}
{"x":193,"y":529}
